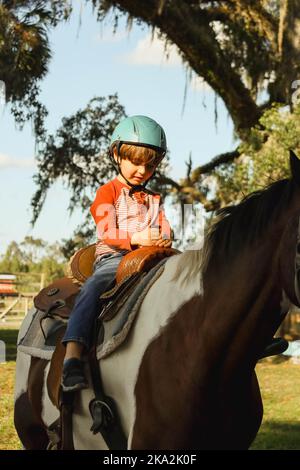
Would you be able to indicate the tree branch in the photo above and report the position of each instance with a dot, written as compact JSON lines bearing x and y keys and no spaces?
{"x":200,"y":49}
{"x":257,"y":19}
{"x":216,"y":161}
{"x":165,"y":180}
{"x":287,"y":67}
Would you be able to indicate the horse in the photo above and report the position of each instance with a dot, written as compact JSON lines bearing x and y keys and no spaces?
{"x":185,"y":378}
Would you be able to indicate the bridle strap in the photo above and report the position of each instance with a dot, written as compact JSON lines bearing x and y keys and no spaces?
{"x":297,"y":265}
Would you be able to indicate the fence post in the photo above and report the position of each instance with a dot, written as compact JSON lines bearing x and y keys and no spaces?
{"x":10,"y":307}
{"x":26,"y":306}
{"x":42,"y":281}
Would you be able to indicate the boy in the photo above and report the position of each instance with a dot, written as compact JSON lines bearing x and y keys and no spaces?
{"x":127,"y":216}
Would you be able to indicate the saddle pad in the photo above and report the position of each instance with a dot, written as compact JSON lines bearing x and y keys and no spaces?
{"x":115,"y":331}
{"x":35,"y":344}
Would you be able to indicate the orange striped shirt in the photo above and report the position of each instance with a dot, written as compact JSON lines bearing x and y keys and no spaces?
{"x":119,"y":215}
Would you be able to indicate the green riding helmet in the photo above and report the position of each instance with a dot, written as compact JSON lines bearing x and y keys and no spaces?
{"x":139,"y":130}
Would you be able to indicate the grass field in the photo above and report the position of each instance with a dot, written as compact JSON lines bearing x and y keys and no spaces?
{"x":8,"y":435}
{"x":280,"y":385}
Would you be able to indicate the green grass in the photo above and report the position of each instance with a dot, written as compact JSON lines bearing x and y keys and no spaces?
{"x":8,"y":436}
{"x":280,"y":385}
{"x":279,"y":382}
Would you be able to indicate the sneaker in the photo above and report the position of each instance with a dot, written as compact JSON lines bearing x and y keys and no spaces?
{"x":73,"y":377}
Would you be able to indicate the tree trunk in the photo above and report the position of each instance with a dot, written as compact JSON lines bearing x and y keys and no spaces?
{"x":190,"y":30}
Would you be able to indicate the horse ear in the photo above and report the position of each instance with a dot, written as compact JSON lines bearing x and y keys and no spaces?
{"x":295,"y":167}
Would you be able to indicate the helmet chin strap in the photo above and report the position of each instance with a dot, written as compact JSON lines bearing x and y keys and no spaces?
{"x":136,"y":187}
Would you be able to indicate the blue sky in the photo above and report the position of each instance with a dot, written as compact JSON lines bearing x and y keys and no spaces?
{"x":88,"y":61}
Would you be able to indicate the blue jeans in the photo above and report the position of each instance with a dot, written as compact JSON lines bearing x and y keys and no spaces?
{"x":87,"y":303}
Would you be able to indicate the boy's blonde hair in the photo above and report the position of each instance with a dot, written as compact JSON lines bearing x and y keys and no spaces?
{"x":140,"y":155}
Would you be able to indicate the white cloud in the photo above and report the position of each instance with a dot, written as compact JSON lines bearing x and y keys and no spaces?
{"x":152,"y":51}
{"x":7,"y":161}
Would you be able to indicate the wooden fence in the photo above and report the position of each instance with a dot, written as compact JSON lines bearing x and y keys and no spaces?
{"x":14,"y":309}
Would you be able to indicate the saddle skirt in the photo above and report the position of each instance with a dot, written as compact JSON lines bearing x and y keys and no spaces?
{"x":116,"y":319}
{"x":117,"y":314}
{"x":120,"y":306}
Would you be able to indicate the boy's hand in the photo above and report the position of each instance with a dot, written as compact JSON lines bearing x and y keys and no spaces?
{"x":147,"y":237}
{"x":163,"y":242}
{"x":150,"y":237}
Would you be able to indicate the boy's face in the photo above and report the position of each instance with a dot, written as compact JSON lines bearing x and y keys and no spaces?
{"x":136,"y":173}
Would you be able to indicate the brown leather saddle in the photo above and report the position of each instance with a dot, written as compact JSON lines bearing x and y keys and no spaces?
{"x":139,"y":260}
{"x":57,"y":299}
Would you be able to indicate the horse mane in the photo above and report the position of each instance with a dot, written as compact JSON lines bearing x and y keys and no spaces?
{"x":188,"y":266}
{"x":239,"y":226}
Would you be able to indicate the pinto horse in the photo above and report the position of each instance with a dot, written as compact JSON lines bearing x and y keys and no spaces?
{"x":185,"y":378}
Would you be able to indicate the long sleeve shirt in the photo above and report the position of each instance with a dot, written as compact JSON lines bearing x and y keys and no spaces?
{"x":119,"y":215}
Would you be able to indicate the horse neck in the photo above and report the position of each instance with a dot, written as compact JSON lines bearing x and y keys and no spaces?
{"x":243,"y":300}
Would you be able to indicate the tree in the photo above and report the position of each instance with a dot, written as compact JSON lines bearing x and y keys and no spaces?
{"x":243,"y":49}
{"x":34,"y":255}
{"x":78,"y":154}
{"x":13,"y":259}
{"x":239,"y":47}
{"x":263,"y":158}
{"x":32,"y":249}
{"x":25,"y":54}
{"x":83,"y":235}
